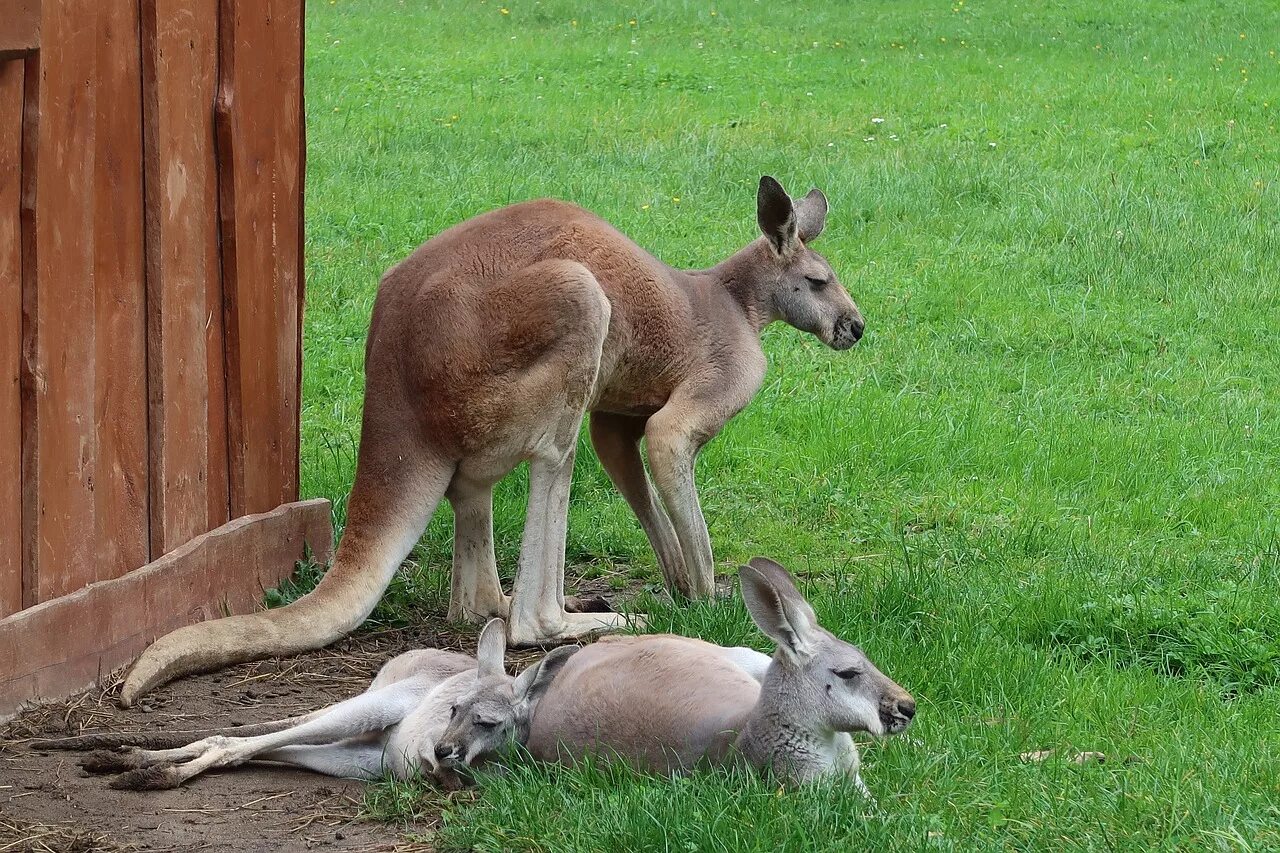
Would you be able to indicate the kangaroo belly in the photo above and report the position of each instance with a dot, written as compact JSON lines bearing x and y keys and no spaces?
{"x":659,"y":703}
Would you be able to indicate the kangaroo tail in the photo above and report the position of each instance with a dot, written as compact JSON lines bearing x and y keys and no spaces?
{"x":166,"y":740}
{"x":389,"y":508}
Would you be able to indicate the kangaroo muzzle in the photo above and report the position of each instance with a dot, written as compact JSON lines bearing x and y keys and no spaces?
{"x":896,"y":713}
{"x":847,"y":332}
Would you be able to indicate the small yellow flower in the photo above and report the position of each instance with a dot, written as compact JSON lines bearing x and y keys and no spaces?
{"x":573,"y":23}
{"x":1242,"y":36}
{"x":644,"y":207}
{"x":713,"y":13}
{"x":676,"y":199}
{"x":632,"y":22}
{"x":504,"y":10}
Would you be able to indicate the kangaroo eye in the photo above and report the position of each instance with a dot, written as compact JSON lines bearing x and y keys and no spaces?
{"x":816,"y":283}
{"x":848,"y":673}
{"x":486,"y":724}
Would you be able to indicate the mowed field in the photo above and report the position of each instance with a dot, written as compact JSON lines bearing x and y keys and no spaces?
{"x":1043,"y":492}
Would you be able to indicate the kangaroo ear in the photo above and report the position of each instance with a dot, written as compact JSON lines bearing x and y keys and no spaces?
{"x":778,"y":608}
{"x":777,"y":216}
{"x":491,"y":649}
{"x":534,"y":681}
{"x":811,"y":215}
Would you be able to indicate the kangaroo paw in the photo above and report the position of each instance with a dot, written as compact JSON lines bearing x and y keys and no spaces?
{"x":569,"y":627}
{"x":111,"y":761}
{"x":159,"y":777}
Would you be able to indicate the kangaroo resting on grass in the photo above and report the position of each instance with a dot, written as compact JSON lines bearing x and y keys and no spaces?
{"x":487,"y":346}
{"x":667,"y":703}
{"x":391,"y":728}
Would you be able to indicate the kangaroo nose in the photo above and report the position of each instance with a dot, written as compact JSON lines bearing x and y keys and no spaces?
{"x":443,"y":751}
{"x":907,"y":707}
{"x":857,"y":328}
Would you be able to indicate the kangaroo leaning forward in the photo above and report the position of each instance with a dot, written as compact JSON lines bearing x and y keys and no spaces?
{"x":487,"y":346}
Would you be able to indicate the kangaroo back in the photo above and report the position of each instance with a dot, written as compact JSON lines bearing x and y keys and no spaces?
{"x":663,"y":703}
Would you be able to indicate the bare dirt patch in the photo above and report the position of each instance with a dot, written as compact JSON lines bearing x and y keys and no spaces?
{"x":47,"y":803}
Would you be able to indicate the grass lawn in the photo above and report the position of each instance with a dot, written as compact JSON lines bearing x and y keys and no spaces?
{"x":1042,"y":493}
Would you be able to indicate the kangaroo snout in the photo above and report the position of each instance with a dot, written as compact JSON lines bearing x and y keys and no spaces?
{"x":445,"y":752}
{"x":897,"y":712}
{"x":848,"y":331}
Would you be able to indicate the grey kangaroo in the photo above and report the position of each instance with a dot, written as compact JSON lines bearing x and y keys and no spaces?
{"x":667,"y":703}
{"x":392,"y":728}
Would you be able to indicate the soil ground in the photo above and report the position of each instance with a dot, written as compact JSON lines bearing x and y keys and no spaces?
{"x":47,"y":803}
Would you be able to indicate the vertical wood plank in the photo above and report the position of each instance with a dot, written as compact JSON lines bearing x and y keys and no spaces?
{"x":179,"y":83}
{"x":58,"y":308}
{"x":260,"y":184}
{"x":11,"y":77}
{"x":122,"y":532}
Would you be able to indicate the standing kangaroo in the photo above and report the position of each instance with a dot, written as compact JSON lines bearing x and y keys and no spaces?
{"x":487,"y":346}
{"x":668,"y":703}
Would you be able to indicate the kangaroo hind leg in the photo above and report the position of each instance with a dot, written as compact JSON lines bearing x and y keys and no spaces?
{"x":557,"y":387}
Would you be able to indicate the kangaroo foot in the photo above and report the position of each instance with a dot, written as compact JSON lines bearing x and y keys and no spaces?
{"x":158,"y":777}
{"x":480,"y":612}
{"x":112,"y":761}
{"x":568,"y":627}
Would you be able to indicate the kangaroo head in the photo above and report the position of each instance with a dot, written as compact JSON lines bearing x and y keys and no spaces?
{"x":822,"y":680}
{"x":803,"y":288}
{"x":496,"y":710}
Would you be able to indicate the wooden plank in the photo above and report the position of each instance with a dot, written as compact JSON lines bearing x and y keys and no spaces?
{"x":122,"y":534}
{"x":179,"y":46}
{"x":11,"y":77}
{"x":61,"y":646}
{"x":19,"y":29}
{"x":260,"y":185}
{"x":26,"y":373}
{"x":59,"y":309}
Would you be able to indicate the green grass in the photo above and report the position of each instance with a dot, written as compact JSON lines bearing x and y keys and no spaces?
{"x":1042,"y":492}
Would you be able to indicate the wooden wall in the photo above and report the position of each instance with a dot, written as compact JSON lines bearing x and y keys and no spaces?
{"x":151,"y":171}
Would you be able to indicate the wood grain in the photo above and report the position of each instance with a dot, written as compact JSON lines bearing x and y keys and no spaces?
{"x":260,"y":187}
{"x":11,"y":79}
{"x":59,"y":309}
{"x":120,"y":354}
{"x":183,"y":278}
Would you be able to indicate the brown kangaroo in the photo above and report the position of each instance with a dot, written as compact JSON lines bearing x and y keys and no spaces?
{"x":488,"y":344}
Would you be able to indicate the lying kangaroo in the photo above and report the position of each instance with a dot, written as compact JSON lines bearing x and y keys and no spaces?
{"x":487,"y":346}
{"x":391,"y":728}
{"x":667,"y":703}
